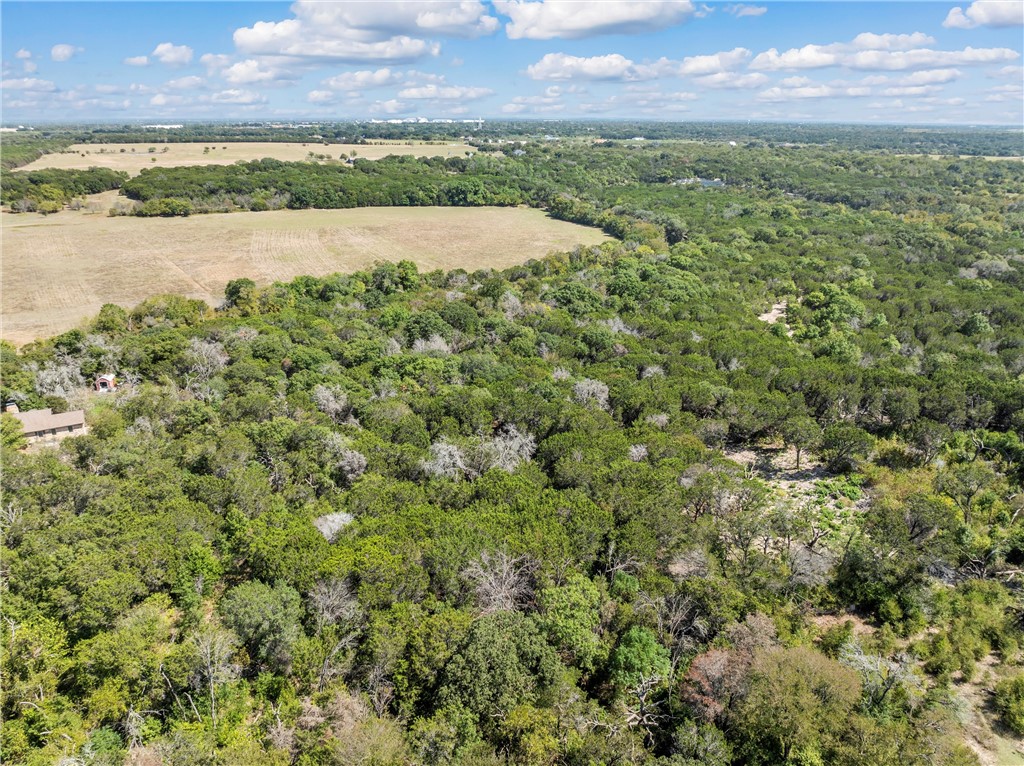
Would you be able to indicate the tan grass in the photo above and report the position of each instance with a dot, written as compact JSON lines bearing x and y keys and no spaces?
{"x":137,"y":157}
{"x":59,"y":270}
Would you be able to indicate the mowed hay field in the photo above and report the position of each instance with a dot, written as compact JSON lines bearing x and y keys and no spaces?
{"x":59,"y":270}
{"x":137,"y":157}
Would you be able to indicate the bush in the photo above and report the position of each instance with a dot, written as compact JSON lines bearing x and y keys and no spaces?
{"x":265,"y":618}
{"x":638,"y":656}
{"x":168,"y":207}
{"x":1010,"y":702}
{"x":844,"y":445}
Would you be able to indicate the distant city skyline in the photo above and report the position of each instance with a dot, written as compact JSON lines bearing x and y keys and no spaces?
{"x":882,"y":62}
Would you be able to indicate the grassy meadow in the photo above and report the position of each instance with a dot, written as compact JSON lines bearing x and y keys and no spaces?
{"x":59,"y":270}
{"x":133,"y":158}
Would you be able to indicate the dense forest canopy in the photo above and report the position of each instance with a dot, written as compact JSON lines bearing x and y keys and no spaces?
{"x":742,"y":486}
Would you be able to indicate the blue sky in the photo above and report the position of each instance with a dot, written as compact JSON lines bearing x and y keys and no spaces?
{"x":904,"y":62}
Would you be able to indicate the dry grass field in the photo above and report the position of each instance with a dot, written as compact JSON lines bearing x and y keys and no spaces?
{"x":136,"y":157}
{"x":59,"y":270}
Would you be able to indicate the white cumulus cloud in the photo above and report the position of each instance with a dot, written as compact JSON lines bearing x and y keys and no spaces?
{"x":137,"y":60}
{"x":568,"y":19}
{"x":162,"y":99}
{"x":367,"y":78}
{"x":186,"y":83}
{"x":105,"y":104}
{"x":382,"y":20}
{"x":986,"y":13}
{"x":945,"y":101}
{"x":63,"y":51}
{"x":391,"y":106}
{"x":238,"y":96}
{"x":878,"y":52}
{"x":808,"y":57}
{"x":215,"y":62}
{"x":288,"y":38}
{"x":1015,"y":72}
{"x":172,"y":55}
{"x":445,"y":92}
{"x":23,"y":53}
{"x":924,"y":58}
{"x":549,"y":103}
{"x":28,"y":84}
{"x":809,"y":90}
{"x":912,"y":90}
{"x":732,"y":80}
{"x":262,"y":71}
{"x":716,"y":62}
{"x":739,"y":10}
{"x":386,"y":32}
{"x":613,"y":66}
{"x":1012,"y":92}
{"x":931,"y":77}
{"x":889,"y":42}
{"x":320,"y":97}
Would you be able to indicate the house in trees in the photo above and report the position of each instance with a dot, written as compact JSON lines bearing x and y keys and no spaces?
{"x":105,"y":383}
{"x":47,"y":426}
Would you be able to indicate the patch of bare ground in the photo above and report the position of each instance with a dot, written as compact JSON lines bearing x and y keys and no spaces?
{"x":825,"y":622}
{"x":144,"y":756}
{"x":60,"y":269}
{"x":992,"y":742}
{"x":775,"y":313}
{"x":777,"y":466}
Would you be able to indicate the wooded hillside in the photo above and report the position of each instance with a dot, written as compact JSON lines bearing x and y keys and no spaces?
{"x":604,"y":507}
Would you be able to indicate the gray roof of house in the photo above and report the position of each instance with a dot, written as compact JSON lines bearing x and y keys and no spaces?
{"x":44,"y":420}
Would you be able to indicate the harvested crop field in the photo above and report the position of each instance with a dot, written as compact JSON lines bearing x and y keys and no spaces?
{"x":61,"y":269}
{"x":136,"y":157}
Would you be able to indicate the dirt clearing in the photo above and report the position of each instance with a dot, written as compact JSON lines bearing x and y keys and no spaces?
{"x":775,"y":313}
{"x":61,"y":269}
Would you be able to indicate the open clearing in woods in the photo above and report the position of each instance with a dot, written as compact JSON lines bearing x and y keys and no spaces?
{"x":137,"y":157}
{"x":61,"y":269}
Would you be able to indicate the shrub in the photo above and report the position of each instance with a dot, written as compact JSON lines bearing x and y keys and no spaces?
{"x":1009,"y":702}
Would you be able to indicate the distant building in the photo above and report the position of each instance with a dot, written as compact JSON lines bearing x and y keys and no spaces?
{"x":105,"y":383}
{"x":44,"y":425}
